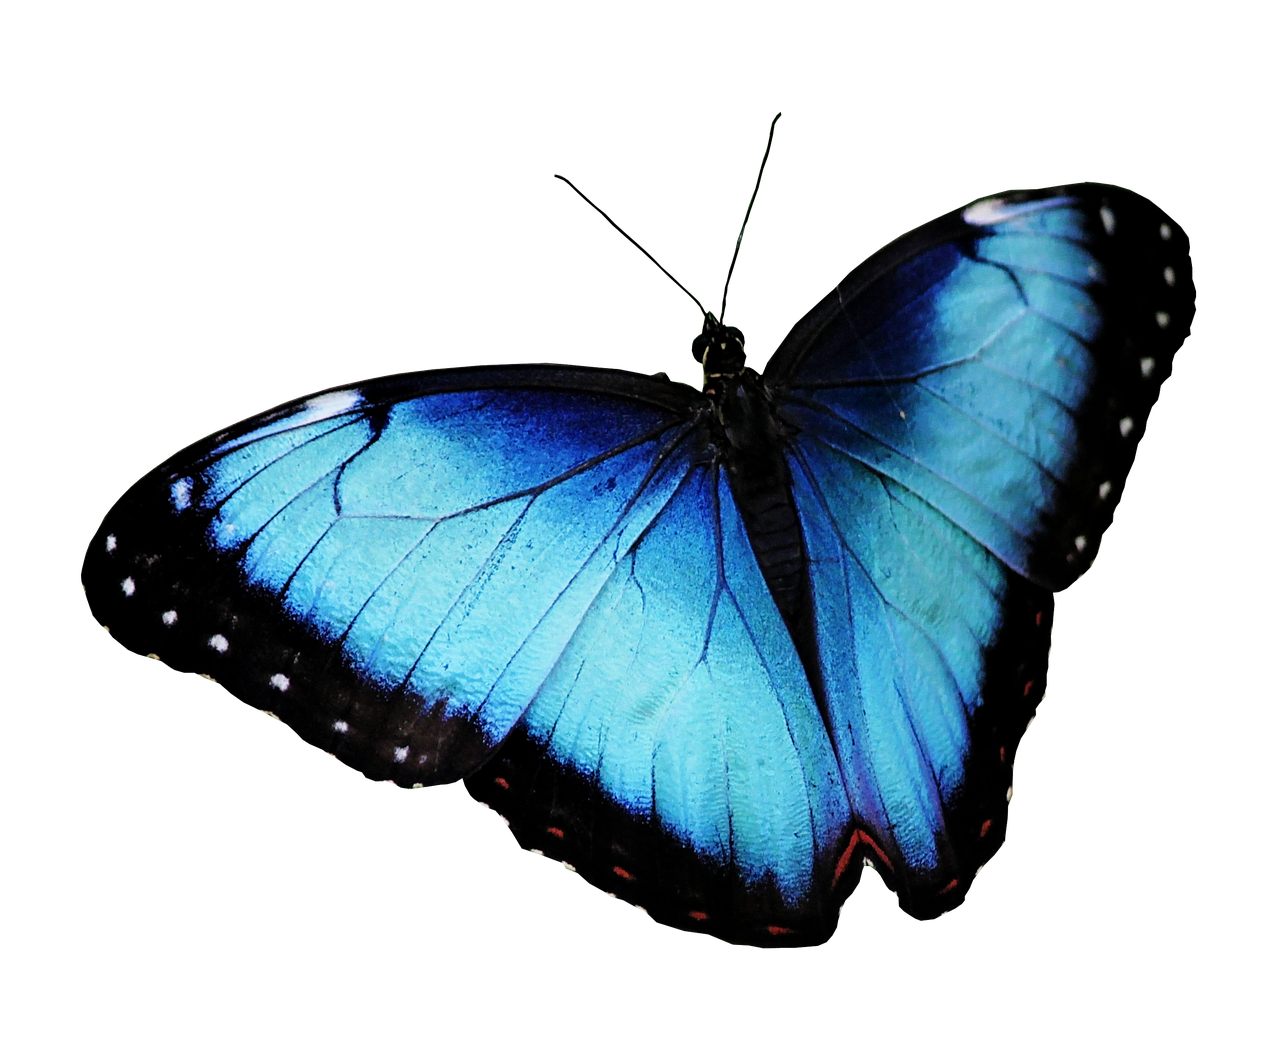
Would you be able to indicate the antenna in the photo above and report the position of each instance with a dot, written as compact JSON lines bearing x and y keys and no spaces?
{"x":642,"y":249}
{"x":724,"y":300}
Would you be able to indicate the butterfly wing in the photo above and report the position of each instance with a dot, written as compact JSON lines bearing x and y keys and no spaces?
{"x":548,"y":562}
{"x":676,"y":756}
{"x":389,"y":567}
{"x":964,"y":410}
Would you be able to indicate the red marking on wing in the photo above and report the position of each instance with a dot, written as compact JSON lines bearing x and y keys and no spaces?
{"x":777,"y":929}
{"x":1039,"y":617}
{"x":858,"y":837}
{"x":555,"y":832}
{"x":843,"y":864}
{"x":501,"y":783}
{"x":986,"y":826}
{"x":950,"y":885}
{"x":1002,"y":754}
{"x":697,"y":915}
{"x":1026,"y":690}
{"x":625,"y":875}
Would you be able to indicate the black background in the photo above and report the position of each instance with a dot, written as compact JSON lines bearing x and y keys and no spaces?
{"x":238,"y":251}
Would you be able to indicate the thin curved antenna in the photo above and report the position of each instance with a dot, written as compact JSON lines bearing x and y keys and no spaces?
{"x":724,"y":300}
{"x":642,"y":249}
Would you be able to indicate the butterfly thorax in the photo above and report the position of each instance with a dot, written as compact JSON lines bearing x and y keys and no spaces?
{"x":749,"y":442}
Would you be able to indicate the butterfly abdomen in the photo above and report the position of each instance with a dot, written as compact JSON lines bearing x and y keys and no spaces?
{"x":750,"y":446}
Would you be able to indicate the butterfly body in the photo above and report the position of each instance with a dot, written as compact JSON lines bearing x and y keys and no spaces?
{"x":715,"y":649}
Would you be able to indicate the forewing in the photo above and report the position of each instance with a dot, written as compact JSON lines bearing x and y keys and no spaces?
{"x":1001,"y":363}
{"x":392,"y":568}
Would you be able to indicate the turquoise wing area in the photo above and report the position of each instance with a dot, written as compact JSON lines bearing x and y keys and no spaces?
{"x":680,"y":680}
{"x":394,"y":569}
{"x":546,"y":588}
{"x":905,"y":605}
{"x":675,"y":755}
{"x":958,"y":375}
{"x":449,"y":552}
{"x":1001,"y":363}
{"x":963,"y":412}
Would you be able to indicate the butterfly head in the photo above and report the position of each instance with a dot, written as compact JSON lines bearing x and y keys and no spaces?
{"x":720,"y":348}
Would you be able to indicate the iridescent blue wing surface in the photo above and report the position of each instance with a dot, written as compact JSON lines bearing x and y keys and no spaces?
{"x":389,"y":567}
{"x":544,"y":562}
{"x":962,"y":414}
{"x":542,"y":579}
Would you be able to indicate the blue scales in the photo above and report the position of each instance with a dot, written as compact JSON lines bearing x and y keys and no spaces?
{"x":713,"y":648}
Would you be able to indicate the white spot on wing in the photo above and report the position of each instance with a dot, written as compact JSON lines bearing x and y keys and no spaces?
{"x":180,"y":494}
{"x":280,"y":682}
{"x":1108,"y":220}
{"x":219,"y":643}
{"x":327,"y":405}
{"x":1126,"y":426}
{"x":111,"y":543}
{"x":341,"y":726}
{"x":1166,"y":232}
{"x":128,"y":587}
{"x":1104,"y":489}
{"x":1169,"y":276}
{"x":1148,"y":365}
{"x":994,"y":211}
{"x":1081,"y":542}
{"x":170,"y":618}
{"x":1162,"y":319}
{"x":401,"y":754}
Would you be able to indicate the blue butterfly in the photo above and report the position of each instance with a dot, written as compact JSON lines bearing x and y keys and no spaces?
{"x":716,"y":648}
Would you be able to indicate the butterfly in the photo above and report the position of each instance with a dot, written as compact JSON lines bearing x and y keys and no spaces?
{"x":717,"y":649}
